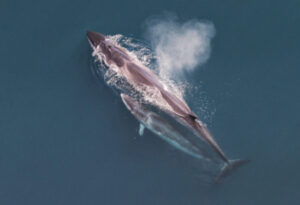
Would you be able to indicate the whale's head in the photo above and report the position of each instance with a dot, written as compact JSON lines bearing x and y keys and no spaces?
{"x":129,"y":102}
{"x":94,"y":38}
{"x":135,"y":107}
{"x":112,"y":52}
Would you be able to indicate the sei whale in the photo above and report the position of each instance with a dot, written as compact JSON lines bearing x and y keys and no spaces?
{"x":161,"y":127}
{"x":139,"y":75}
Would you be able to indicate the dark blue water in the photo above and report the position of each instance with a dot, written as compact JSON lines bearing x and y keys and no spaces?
{"x":65,"y":138}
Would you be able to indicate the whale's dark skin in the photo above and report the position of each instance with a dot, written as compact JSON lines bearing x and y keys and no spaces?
{"x":138,"y":74}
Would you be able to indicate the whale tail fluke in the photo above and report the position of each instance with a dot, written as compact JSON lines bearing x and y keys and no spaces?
{"x":229,"y":167}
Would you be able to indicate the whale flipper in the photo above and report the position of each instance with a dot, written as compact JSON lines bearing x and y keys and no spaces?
{"x":141,"y":129}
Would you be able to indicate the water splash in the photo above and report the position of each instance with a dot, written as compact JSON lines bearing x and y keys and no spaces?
{"x":179,"y":46}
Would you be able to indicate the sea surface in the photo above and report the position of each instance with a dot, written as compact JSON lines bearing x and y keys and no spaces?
{"x":66,"y":138}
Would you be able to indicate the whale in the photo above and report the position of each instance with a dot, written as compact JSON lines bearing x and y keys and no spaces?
{"x":159,"y":126}
{"x":138,"y":75}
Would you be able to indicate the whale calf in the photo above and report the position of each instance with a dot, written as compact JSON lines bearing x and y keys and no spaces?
{"x":139,"y":75}
{"x":161,"y":127}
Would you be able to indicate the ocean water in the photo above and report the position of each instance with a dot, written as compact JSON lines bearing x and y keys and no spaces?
{"x":65,"y":138}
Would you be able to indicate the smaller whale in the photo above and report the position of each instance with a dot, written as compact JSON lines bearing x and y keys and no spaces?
{"x":161,"y":127}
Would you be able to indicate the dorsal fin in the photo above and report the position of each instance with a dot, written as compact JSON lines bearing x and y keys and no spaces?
{"x":192,"y":116}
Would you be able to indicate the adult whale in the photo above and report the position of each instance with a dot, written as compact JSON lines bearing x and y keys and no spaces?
{"x":139,"y":75}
